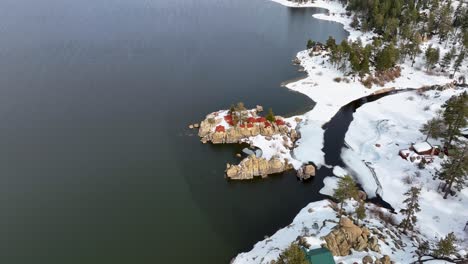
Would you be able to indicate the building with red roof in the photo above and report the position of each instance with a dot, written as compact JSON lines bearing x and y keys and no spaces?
{"x":220,"y":129}
{"x":280,"y":122}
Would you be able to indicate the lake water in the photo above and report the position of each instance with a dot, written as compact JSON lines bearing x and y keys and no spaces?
{"x":96,"y":162}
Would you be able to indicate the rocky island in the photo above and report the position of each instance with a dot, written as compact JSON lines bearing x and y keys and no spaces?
{"x":274,"y":135}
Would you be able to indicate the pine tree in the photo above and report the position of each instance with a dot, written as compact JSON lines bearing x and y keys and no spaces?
{"x":423,"y":250}
{"x":453,"y":171}
{"x":270,"y":116}
{"x":458,"y":62}
{"x":292,"y":255}
{"x":455,"y":116}
{"x":447,"y":59}
{"x":346,"y":189}
{"x":310,"y":44}
{"x":355,"y":23}
{"x":446,"y":246}
{"x":432,"y":57}
{"x":412,"y":207}
{"x":331,"y":43}
{"x":386,"y":58}
{"x":445,"y":21}
{"x":361,"y":211}
{"x":414,"y":47}
{"x":433,"y":128}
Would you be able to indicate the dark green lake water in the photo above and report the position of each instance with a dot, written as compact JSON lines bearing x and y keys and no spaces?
{"x":96,"y":162}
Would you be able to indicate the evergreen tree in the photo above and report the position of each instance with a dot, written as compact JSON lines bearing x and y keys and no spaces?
{"x":270,"y":116}
{"x":446,"y":246}
{"x":361,"y":211}
{"x":412,"y":207}
{"x":445,"y":21}
{"x":331,"y":43}
{"x":455,"y":115}
{"x":453,"y":171}
{"x":423,"y":250}
{"x":355,"y":23}
{"x":386,"y":58}
{"x":310,"y":44}
{"x":433,"y":128}
{"x":458,"y":62}
{"x":346,"y":189}
{"x":432,"y":57}
{"x":292,"y":255}
{"x":447,"y":59}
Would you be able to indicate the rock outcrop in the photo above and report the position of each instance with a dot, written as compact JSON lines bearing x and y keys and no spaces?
{"x":236,"y":133}
{"x":306,"y":171}
{"x":253,"y":166}
{"x":347,"y":236}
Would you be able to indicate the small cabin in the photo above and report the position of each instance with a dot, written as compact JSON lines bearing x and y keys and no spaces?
{"x":319,"y":256}
{"x":424,"y":148}
{"x":220,"y":129}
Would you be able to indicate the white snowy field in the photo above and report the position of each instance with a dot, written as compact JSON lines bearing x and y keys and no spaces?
{"x":378,"y":132}
{"x":330,"y":95}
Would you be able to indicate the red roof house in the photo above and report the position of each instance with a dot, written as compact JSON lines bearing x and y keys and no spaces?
{"x":220,"y":129}
{"x":251,"y":119}
{"x":267,"y":124}
{"x":280,"y":122}
{"x":261,"y":119}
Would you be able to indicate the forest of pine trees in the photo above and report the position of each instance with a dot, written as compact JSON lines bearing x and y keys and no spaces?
{"x":401,"y":27}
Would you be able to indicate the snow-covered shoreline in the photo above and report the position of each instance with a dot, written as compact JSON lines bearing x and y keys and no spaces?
{"x":330,"y":96}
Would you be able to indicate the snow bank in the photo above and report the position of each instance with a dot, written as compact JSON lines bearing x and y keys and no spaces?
{"x":310,"y":144}
{"x":330,"y":95}
{"x":269,"y":249}
{"x":393,"y":129}
{"x":339,"y":172}
{"x":331,"y":183}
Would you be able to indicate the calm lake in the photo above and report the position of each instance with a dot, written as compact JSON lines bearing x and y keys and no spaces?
{"x":97,"y":164}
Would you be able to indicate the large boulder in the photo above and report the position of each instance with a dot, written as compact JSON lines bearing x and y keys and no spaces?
{"x":256,"y":166}
{"x":374,"y":244}
{"x":347,"y":236}
{"x":367,"y":260}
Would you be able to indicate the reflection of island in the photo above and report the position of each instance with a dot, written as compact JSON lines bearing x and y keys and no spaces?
{"x":274,"y":135}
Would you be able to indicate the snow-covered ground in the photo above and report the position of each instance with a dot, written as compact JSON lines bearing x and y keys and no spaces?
{"x":317,"y":220}
{"x":389,"y":121}
{"x":393,"y":129}
{"x":330,"y":95}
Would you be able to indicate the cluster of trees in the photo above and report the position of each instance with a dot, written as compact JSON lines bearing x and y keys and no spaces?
{"x":402,"y":25}
{"x":347,"y":189}
{"x":352,"y":56}
{"x":292,"y":255}
{"x":448,"y":126}
{"x":444,"y":248}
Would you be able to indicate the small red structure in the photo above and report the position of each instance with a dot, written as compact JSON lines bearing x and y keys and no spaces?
{"x":280,"y":122}
{"x":228,"y":119}
{"x":242,"y":126}
{"x":249,"y":125}
{"x":267,"y":124}
{"x":261,"y":119}
{"x":220,"y":129}
{"x":251,"y":120}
